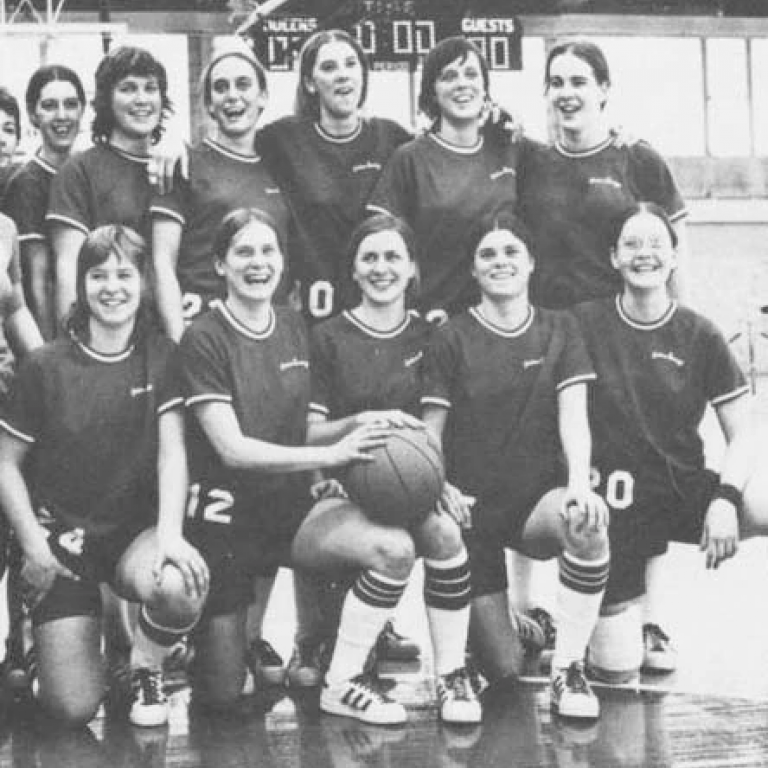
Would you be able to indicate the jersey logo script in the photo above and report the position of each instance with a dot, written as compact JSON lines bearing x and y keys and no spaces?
{"x":136,"y":391}
{"x":607,"y":180}
{"x":295,"y":363}
{"x":531,"y":363}
{"x":413,"y":360}
{"x":505,"y":171}
{"x":668,"y":356}
{"x":271,"y":190}
{"x":369,"y":166}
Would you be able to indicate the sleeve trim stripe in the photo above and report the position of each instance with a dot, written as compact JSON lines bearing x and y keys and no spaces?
{"x":319,"y":408}
{"x":66,"y":220}
{"x":31,"y":237}
{"x":158,"y":210}
{"x":169,"y":405}
{"x":728,"y":396}
{"x":16,"y":433}
{"x":210,"y":398}
{"x":439,"y":401}
{"x":379,"y":209}
{"x":582,"y":379}
{"x":681,"y":214}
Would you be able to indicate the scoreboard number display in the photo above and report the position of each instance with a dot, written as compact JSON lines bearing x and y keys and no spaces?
{"x":390,"y":32}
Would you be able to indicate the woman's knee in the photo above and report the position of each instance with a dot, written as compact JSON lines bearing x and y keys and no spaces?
{"x":393,"y":553}
{"x":72,"y":707}
{"x":439,"y":537}
{"x":589,"y":544}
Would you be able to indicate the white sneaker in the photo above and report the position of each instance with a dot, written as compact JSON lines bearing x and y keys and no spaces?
{"x":571,"y":694}
{"x":659,"y":654}
{"x":362,"y":698}
{"x":149,"y":707}
{"x":457,"y":698}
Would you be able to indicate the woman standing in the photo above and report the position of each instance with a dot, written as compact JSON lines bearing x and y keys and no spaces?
{"x":506,"y":388}
{"x":245,"y":367}
{"x":575,"y":188}
{"x":224,"y":174}
{"x":55,"y":102}
{"x":326,"y":160}
{"x":366,"y":368}
{"x":443,"y":182}
{"x":108,"y":183}
{"x":91,"y":457}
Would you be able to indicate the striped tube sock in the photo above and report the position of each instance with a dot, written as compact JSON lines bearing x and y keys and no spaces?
{"x":367,"y":607}
{"x":447,"y":594}
{"x":152,"y":642}
{"x":579,"y":595}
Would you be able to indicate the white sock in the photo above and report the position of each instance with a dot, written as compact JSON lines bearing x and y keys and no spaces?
{"x":656,"y":590}
{"x":447,"y":593}
{"x":579,"y":595}
{"x":369,"y":604}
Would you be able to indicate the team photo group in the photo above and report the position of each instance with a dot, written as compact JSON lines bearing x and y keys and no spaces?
{"x":330,"y":345}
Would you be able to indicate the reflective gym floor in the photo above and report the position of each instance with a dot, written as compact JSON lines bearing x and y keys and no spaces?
{"x":713,"y":712}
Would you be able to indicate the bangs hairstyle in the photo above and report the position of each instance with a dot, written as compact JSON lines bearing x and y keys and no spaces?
{"x":235,"y":222}
{"x":444,"y":53}
{"x":585,"y":50}
{"x":9,"y":104}
{"x":652,"y":209}
{"x":503,"y":220}
{"x":307,"y":104}
{"x":51,"y":73}
{"x":127,"y":245}
{"x":126,"y":61}
{"x":207,"y":81}
{"x":382,"y":222}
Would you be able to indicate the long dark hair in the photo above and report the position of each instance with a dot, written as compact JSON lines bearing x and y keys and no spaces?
{"x":98,"y":246}
{"x":51,"y":73}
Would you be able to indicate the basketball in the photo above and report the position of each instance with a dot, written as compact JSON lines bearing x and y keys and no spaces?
{"x":402,"y":484}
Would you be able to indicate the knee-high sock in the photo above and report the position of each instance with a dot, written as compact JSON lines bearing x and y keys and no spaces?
{"x":447,"y":594}
{"x":579,"y":594}
{"x":367,"y":608}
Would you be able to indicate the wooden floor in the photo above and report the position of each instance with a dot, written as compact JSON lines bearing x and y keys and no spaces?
{"x":713,"y":713}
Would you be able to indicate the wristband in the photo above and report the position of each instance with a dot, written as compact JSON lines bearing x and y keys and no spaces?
{"x":732,"y":494}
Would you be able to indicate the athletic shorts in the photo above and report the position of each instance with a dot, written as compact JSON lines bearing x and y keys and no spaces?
{"x":649,"y":508}
{"x":238,"y":549}
{"x":93,"y":559}
{"x":496,"y":528}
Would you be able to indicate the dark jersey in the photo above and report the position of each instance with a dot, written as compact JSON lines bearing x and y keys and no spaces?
{"x":102,"y":186}
{"x":7,"y":172}
{"x":501,"y":439}
{"x":654,"y":383}
{"x":327,"y":182}
{"x":571,"y":202}
{"x":265,"y":378}
{"x":356,"y":368}
{"x":92,"y":423}
{"x":220,"y":181}
{"x":27,"y":199}
{"x":442,"y":191}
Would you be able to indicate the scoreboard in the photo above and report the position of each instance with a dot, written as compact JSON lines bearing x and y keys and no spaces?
{"x":390,"y":32}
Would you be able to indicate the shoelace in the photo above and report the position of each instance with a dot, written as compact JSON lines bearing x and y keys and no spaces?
{"x":460,"y":685}
{"x":149,"y":684}
{"x":575,"y":679}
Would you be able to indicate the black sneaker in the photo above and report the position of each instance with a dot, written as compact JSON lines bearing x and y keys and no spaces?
{"x":309,"y":662}
{"x":149,"y":707}
{"x":392,"y":646}
{"x":266,"y":664}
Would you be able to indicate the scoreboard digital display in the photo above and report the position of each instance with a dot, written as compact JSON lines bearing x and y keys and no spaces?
{"x":390,"y":32}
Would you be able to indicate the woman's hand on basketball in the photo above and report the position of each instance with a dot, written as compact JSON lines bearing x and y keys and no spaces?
{"x":394,"y":418}
{"x":168,"y":154}
{"x":328,"y":488}
{"x":583,"y":510}
{"x":356,"y":446}
{"x":457,"y":505}
{"x":39,"y":571}
{"x":720,"y":537}
{"x":178,"y":552}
